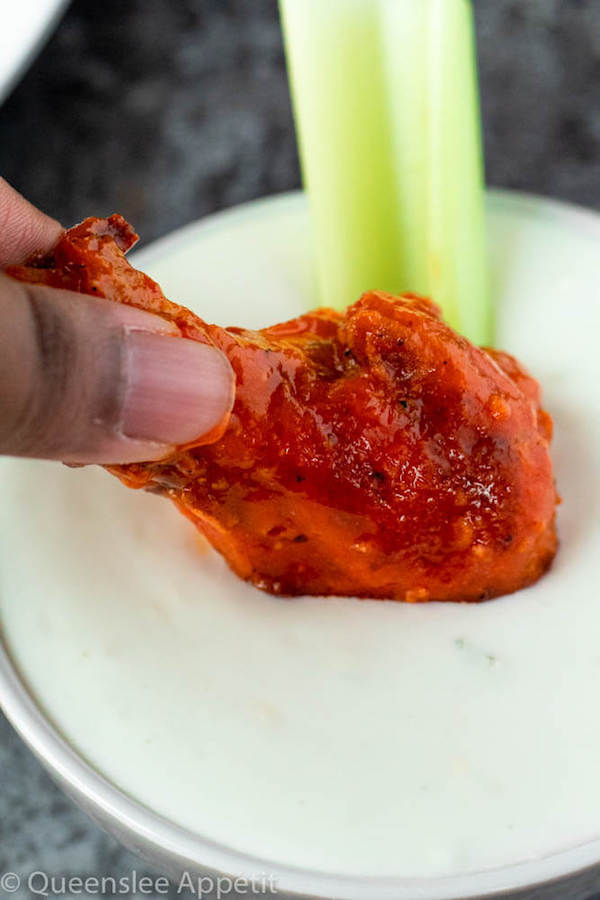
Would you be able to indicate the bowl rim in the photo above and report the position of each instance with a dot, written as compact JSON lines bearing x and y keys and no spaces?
{"x":130,"y":816}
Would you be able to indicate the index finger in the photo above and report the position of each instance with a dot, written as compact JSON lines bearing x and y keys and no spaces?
{"x":24,"y":229}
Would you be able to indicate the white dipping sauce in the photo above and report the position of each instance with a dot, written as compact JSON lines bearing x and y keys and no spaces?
{"x":357,"y":737}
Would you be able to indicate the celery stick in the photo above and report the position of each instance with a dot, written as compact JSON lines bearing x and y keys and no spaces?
{"x":456,"y":202}
{"x":338,"y":86}
{"x":386,"y":104}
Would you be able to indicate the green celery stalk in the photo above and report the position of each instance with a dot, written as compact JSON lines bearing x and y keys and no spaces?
{"x":387,"y":112}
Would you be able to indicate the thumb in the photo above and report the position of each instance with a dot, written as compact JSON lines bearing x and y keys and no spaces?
{"x":84,"y":379}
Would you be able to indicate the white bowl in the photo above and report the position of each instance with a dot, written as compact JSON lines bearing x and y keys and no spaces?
{"x":524,"y":231}
{"x":24,"y":27}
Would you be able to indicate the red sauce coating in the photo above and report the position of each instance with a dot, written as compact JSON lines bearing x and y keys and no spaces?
{"x":374,"y":453}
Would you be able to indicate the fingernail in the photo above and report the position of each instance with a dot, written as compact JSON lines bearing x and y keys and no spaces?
{"x":177,"y":390}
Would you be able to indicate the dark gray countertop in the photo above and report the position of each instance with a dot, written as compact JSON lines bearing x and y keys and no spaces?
{"x":167,"y":111}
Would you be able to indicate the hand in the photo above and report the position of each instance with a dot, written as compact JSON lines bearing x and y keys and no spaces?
{"x":84,"y":379}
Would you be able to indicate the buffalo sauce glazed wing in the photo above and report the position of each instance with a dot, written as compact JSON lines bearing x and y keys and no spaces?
{"x":374,"y":453}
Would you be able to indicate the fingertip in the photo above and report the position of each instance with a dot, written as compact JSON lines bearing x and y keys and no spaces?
{"x":178,"y":390}
{"x":24,"y":229}
{"x":86,"y":380}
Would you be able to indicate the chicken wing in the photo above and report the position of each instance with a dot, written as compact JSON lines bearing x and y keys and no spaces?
{"x":374,"y":453}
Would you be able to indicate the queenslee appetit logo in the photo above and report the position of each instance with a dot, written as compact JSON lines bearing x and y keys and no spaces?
{"x":44,"y":884}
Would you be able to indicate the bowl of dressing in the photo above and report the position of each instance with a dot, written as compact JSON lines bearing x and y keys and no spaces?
{"x":326,"y":747}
